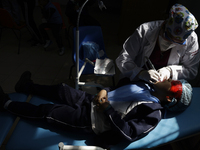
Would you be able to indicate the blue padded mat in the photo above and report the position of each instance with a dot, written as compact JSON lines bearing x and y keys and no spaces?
{"x":35,"y":136}
{"x":6,"y":119}
{"x":173,"y":127}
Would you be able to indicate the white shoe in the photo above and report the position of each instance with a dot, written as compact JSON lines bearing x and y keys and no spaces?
{"x":48,"y":42}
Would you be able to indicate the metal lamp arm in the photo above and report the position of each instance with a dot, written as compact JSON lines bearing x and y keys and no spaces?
{"x":77,"y":45}
{"x":79,"y":14}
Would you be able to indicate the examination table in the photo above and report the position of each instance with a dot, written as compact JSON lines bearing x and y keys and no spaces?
{"x":29,"y":135}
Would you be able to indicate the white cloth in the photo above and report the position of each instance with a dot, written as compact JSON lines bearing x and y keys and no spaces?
{"x":123,"y":100}
{"x":100,"y":122}
{"x":142,"y":42}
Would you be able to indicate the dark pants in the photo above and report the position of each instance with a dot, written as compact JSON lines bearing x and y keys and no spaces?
{"x":73,"y":108}
{"x":28,"y":7}
{"x":55,"y":28}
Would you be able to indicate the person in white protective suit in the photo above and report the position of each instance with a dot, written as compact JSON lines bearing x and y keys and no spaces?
{"x":171,"y":45}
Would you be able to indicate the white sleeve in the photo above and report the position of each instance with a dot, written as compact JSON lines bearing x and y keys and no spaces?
{"x":189,"y":62}
{"x":126,"y":60}
{"x":127,"y":66}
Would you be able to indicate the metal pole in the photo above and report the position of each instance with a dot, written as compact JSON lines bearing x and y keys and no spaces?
{"x":77,"y":46}
{"x":77,"y":59}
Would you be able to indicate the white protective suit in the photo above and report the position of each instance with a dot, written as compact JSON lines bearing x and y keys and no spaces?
{"x":183,"y":59}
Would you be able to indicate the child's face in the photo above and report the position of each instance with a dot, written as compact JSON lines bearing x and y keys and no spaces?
{"x":163,"y":87}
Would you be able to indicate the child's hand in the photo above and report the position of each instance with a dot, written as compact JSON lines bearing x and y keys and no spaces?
{"x":101,"y":100}
{"x":101,"y":94}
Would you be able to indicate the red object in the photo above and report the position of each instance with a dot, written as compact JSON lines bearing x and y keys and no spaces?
{"x":176,"y":89}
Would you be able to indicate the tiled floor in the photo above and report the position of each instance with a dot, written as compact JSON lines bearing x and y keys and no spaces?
{"x":48,"y":67}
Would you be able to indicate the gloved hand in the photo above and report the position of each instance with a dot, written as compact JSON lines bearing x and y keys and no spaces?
{"x":150,"y":76}
{"x":165,"y":73}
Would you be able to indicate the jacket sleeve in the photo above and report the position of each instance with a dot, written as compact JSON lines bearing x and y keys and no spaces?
{"x":137,"y":123}
{"x":125,"y":61}
{"x":131,"y":49}
{"x":189,"y":61}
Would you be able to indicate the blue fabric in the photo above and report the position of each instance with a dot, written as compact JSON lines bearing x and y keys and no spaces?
{"x":91,"y":50}
{"x":8,"y":119}
{"x":133,"y":92}
{"x":88,"y":33}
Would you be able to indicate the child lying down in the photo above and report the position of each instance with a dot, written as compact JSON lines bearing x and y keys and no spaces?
{"x":128,"y":112}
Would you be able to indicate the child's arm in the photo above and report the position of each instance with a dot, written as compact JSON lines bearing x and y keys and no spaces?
{"x":137,"y":123}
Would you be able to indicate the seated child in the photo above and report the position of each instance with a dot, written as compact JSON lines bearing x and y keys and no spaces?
{"x":53,"y":20}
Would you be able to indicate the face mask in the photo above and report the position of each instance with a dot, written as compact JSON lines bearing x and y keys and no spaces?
{"x":164,"y":44}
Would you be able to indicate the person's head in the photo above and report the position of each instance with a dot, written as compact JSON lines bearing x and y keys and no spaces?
{"x":175,"y":95}
{"x":180,"y":24}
